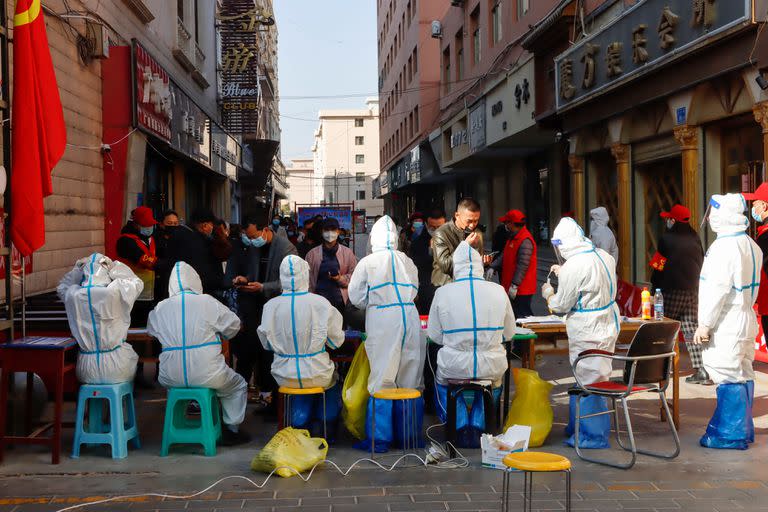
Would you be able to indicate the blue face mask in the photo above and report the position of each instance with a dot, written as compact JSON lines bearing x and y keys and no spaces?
{"x":258,"y":242}
{"x":418,"y":227}
{"x":758,"y":217}
{"x":147,"y":231}
{"x":275,"y":222}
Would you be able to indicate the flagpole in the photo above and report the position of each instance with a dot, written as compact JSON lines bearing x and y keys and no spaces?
{"x":5,"y":113}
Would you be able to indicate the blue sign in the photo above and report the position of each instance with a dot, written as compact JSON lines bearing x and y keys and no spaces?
{"x":681,"y":115}
{"x":342,"y":214}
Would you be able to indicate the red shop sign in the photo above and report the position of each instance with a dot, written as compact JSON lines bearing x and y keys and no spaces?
{"x":153,"y":95}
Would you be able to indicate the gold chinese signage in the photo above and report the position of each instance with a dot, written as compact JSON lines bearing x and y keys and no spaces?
{"x":648,"y":35}
{"x":239,"y":24}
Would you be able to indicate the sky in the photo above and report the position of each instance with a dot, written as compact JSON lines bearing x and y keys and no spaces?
{"x":325,"y":48}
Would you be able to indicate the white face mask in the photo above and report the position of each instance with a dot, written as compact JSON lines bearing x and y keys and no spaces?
{"x":670,"y":223}
{"x":330,"y":236}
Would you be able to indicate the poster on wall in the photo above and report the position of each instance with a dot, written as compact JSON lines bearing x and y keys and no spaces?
{"x":341,"y":213}
{"x":16,"y":257}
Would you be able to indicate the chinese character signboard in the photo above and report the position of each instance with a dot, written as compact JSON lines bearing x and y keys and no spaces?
{"x":153,"y":95}
{"x":477,"y":127}
{"x":225,"y":153}
{"x":648,"y":35}
{"x":190,"y":127}
{"x":239,"y":23}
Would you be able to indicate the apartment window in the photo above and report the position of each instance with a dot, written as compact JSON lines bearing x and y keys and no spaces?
{"x":359,"y":159}
{"x":522,"y":8}
{"x":447,"y":69}
{"x":459,"y":44}
{"x":360,"y":195}
{"x":359,"y":140}
{"x":416,"y":119}
{"x":415,"y":60}
{"x":410,"y":69}
{"x":360,"y":176}
{"x":180,"y":9}
{"x":359,"y":122}
{"x":197,"y":23}
{"x":474,"y":26}
{"x":496,"y":21}
{"x":410,"y":125}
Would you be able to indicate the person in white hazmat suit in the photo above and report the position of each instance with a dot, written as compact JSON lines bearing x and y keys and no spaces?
{"x":298,"y":326}
{"x":600,"y":234}
{"x":98,"y":294}
{"x":189,"y":326}
{"x":385,"y":284}
{"x":586,"y":294}
{"x":728,"y":287}
{"x":471,"y":338}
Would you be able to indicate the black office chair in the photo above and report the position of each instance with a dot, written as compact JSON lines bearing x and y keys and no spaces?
{"x":647,"y":369}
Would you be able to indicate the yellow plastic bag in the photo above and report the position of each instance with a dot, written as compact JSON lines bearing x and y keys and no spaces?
{"x":290,"y":448}
{"x":355,"y":395}
{"x":531,"y":406}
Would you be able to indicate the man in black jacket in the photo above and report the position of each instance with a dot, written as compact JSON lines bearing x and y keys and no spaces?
{"x":254,"y":270}
{"x":421,"y":254}
{"x":677,"y":266}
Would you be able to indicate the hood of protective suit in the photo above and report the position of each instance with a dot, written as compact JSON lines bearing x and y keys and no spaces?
{"x":726,"y":214}
{"x":384,"y":235}
{"x":294,"y":274}
{"x":467,"y":262}
{"x":96,"y":270}
{"x":599,"y":218}
{"x":571,"y":238}
{"x":184,"y":278}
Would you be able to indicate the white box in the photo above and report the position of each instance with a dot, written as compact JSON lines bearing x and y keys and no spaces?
{"x":492,"y":456}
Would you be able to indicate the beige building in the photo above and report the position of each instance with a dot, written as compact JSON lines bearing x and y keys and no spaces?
{"x":346,"y":157}
{"x":300,"y":176}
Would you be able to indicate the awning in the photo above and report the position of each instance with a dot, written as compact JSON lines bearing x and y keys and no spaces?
{"x":545,"y":24}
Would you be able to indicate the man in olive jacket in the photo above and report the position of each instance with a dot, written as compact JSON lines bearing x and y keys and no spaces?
{"x":448,"y":237}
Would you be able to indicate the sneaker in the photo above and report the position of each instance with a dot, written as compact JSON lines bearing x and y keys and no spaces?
{"x":229,"y":438}
{"x":193,"y":409}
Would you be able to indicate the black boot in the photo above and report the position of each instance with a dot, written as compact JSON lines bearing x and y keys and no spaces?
{"x":700,"y":377}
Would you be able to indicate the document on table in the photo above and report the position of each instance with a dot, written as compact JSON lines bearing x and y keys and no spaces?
{"x":549,"y":319}
{"x":522,"y":331}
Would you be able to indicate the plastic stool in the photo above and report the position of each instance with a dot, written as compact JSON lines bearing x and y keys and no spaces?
{"x":289,"y":392}
{"x":118,"y":431}
{"x":409,"y":431}
{"x":530,"y":463}
{"x":178,"y":429}
{"x":456,"y":388}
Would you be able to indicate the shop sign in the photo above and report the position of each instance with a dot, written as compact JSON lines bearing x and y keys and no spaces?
{"x":458,"y":138}
{"x":153,"y":95}
{"x":648,"y":35}
{"x":239,"y":23}
{"x":190,"y":127}
{"x":477,"y":127}
{"x":414,"y":167}
{"x":225,"y":153}
{"x":384,"y":183}
{"x":497,"y":108}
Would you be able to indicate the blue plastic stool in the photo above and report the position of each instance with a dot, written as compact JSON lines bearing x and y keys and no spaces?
{"x":121,"y":427}
{"x":178,"y":429}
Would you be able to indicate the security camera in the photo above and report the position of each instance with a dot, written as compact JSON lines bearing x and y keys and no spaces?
{"x":558,"y":136}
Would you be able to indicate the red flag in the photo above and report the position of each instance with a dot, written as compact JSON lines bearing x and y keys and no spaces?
{"x":39,"y":136}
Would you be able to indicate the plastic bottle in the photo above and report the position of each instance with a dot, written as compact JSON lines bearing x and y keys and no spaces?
{"x":646,"y":298}
{"x":658,"y":306}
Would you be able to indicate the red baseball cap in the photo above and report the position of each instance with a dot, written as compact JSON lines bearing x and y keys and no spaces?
{"x":143,"y":217}
{"x":514,"y":216}
{"x":761,"y":194}
{"x":679,"y":213}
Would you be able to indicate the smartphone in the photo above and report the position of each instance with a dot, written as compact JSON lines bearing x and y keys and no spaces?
{"x":493,"y":254}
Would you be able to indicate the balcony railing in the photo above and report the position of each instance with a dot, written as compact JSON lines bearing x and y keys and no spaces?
{"x":184,"y":50}
{"x":197,"y":74}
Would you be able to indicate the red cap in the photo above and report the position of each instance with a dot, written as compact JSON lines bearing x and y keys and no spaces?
{"x":514,"y":216}
{"x":415,"y":215}
{"x":761,"y":194}
{"x":143,"y":217}
{"x":678,"y":212}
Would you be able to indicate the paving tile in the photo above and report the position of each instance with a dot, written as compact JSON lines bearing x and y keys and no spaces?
{"x":370,"y":507}
{"x":446,"y":489}
{"x":165,"y":505}
{"x":663,"y":495}
{"x":284,"y":502}
{"x":304,"y":509}
{"x":719,"y":494}
{"x":606,"y":495}
{"x":195,"y":504}
{"x":315,"y":502}
{"x":304,"y":493}
{"x":358,"y":491}
{"x":739,"y":484}
{"x":475,"y":505}
{"x":413,"y":489}
{"x":439,"y":497}
{"x":639,"y":504}
{"x":429,"y":506}
{"x":683,"y":485}
{"x":247,"y":495}
{"x":632,"y":486}
{"x":400,"y":498}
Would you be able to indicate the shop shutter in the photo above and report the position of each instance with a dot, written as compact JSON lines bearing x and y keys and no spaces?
{"x":655,"y":149}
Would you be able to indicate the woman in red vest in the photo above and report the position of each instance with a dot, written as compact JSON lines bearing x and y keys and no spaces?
{"x":518,"y":263}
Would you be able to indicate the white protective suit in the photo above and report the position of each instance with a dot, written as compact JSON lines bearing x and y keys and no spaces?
{"x":600,"y":234}
{"x":385,"y":284}
{"x":189,"y":325}
{"x":98,"y":295}
{"x":297,"y":326}
{"x":587,"y":295}
{"x":728,"y":286}
{"x":471,"y":336}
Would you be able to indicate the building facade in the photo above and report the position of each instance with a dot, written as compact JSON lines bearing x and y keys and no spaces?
{"x":300,"y":176}
{"x":345,"y":157}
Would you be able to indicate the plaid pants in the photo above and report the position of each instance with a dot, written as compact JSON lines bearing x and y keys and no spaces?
{"x":683,"y":305}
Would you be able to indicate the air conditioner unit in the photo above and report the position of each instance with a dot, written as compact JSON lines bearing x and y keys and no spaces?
{"x":457,"y":3}
{"x":437,"y":29}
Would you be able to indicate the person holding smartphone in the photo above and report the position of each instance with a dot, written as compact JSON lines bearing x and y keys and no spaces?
{"x":330,"y":266}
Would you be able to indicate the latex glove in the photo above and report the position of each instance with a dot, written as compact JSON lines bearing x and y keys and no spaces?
{"x":547,"y":291}
{"x":701,"y":335}
{"x":555,"y":270}
{"x":512,"y":292}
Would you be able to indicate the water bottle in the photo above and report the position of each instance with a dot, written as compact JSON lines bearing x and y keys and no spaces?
{"x":658,"y":305}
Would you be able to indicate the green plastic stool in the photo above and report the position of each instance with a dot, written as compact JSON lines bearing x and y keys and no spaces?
{"x":179,"y":429}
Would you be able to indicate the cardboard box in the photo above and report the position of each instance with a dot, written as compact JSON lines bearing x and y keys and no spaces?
{"x":492,"y":456}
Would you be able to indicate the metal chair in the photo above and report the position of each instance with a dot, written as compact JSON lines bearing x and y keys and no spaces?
{"x":648,"y":368}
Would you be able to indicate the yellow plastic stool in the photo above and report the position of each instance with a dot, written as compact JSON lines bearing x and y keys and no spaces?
{"x":289,"y":392}
{"x":404,"y":395}
{"x":530,"y":463}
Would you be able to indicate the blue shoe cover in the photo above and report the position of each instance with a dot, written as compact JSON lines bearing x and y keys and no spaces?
{"x":332,"y":404}
{"x":407,"y":408}
{"x":384,"y":432}
{"x":729,"y":427}
{"x":468,"y":437}
{"x":477,"y":414}
{"x":750,"y":418}
{"x":462,"y":415}
{"x":595,"y":432}
{"x":301,"y":410}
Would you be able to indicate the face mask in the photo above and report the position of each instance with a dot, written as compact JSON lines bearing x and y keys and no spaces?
{"x":258,"y":242}
{"x":330,"y":236}
{"x":670,"y":223}
{"x":757,"y":216}
{"x":431,"y":231}
{"x":418,"y":227}
{"x":147,"y":231}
